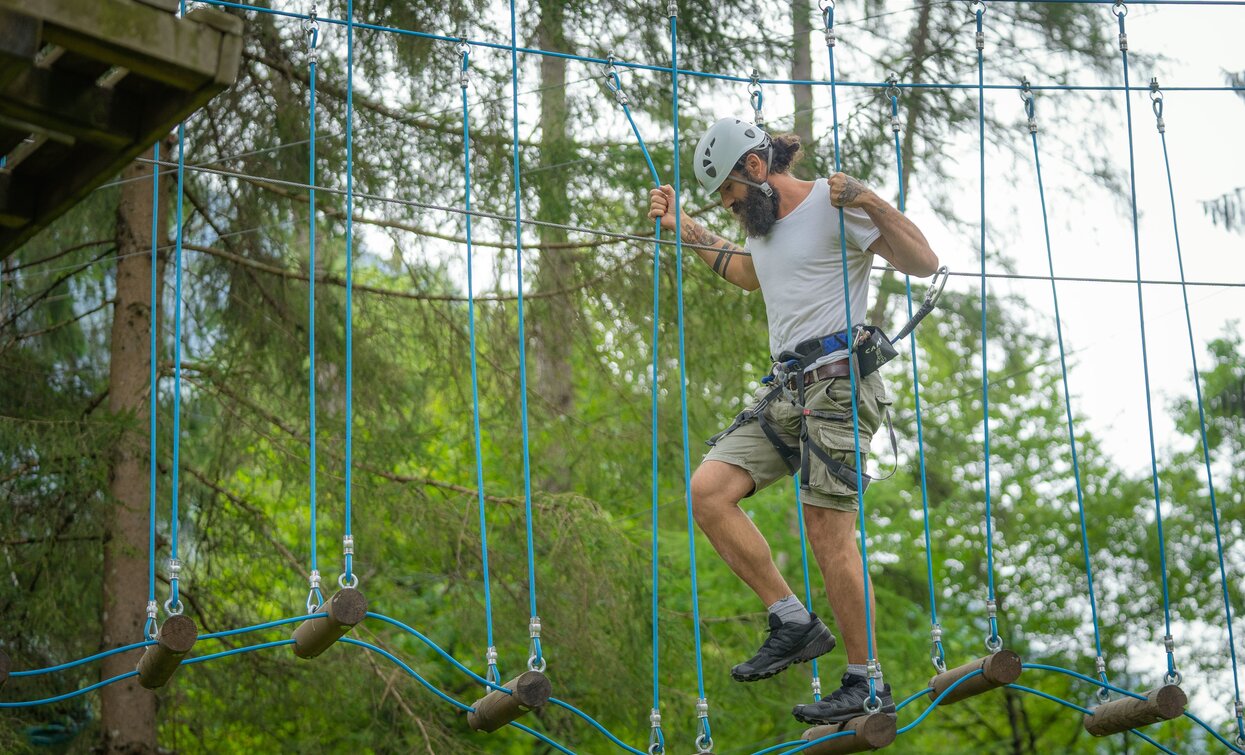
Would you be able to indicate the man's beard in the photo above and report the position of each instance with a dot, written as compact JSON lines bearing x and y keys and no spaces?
{"x":757,"y":213}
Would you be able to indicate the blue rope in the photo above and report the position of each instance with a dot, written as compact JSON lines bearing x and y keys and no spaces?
{"x":937,"y":655}
{"x":847,"y":305}
{"x":814,"y":670}
{"x":1201,"y":418}
{"x":175,"y":601}
{"x":69,"y":695}
{"x":658,"y":743}
{"x":149,"y":627}
{"x":993,"y":641}
{"x":1145,"y":362}
{"x":1067,"y":394}
{"x":311,"y":310}
{"x":348,"y":573}
{"x":475,"y":379}
{"x":705,"y":734}
{"x":725,"y":77}
{"x":537,"y":657}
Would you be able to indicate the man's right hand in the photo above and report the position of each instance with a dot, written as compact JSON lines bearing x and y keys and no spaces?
{"x":661,"y":204}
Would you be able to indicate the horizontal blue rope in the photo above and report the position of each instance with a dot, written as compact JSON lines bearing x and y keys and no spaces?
{"x":82,"y":661}
{"x":541,"y":737}
{"x":1052,"y":698}
{"x":68,"y":695}
{"x":718,"y":76}
{"x":593,"y":723}
{"x":1082,"y":677}
{"x":236,"y":651}
{"x":258,"y":627}
{"x":410,"y":672}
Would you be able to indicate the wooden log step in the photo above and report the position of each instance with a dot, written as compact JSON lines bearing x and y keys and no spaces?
{"x":528,"y":691}
{"x":870,"y":732}
{"x":173,"y":641}
{"x":997,"y":669}
{"x":1161,"y":704}
{"x":345,"y":609}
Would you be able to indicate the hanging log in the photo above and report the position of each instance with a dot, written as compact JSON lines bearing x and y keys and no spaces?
{"x":997,"y":670}
{"x":528,"y":690}
{"x":1162,"y":704}
{"x":870,"y":732}
{"x":346,"y":608}
{"x":173,"y":641}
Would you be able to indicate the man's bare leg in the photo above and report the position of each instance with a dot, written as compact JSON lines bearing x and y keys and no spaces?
{"x":717,"y":489}
{"x":832,"y":534}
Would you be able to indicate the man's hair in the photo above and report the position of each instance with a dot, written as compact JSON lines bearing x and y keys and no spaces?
{"x":787,"y":152}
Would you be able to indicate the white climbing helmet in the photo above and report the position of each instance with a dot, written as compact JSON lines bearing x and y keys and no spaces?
{"x":721,"y":147}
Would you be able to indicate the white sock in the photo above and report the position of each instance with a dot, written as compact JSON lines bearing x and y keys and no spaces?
{"x":791,"y":610}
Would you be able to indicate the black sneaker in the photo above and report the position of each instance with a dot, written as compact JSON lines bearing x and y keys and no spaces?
{"x":845,"y":703}
{"x":787,"y":644}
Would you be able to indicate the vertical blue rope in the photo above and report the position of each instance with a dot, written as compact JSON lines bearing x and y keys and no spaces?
{"x":847,"y":305}
{"x":537,"y":653}
{"x":1145,"y":363}
{"x":311,"y":304}
{"x":475,"y":378}
{"x":1067,"y":394}
{"x":993,"y":640}
{"x":149,"y":627}
{"x":939,"y":656}
{"x":1201,"y":418}
{"x":348,"y":573}
{"x":706,"y":732}
{"x":175,"y":601}
{"x":658,"y":737}
{"x":814,"y":670}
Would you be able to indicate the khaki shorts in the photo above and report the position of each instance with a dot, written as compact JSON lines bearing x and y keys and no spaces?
{"x":747,"y":447}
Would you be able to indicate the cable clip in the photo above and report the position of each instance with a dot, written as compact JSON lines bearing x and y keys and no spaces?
{"x":1156,"y":103}
{"x":816,"y":685}
{"x":656,"y":742}
{"x":463,"y":50}
{"x":536,"y":660}
{"x":704,"y":740}
{"x":612,"y":82}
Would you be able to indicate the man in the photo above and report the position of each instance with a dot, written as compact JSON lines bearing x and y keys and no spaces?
{"x":793,"y":255}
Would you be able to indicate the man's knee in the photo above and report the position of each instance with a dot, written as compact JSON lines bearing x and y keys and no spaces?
{"x":716,"y":488}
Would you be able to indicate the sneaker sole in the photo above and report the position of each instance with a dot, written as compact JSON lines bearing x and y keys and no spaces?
{"x":888,"y":710}
{"x":814,"y":649}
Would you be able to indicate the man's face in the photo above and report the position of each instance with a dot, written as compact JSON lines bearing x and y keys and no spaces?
{"x":755,"y":211}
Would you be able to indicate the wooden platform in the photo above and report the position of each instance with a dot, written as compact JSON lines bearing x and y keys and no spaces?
{"x":88,"y":85}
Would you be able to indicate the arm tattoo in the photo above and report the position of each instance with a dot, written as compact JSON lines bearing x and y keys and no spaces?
{"x":694,"y":233}
{"x":853,"y":189}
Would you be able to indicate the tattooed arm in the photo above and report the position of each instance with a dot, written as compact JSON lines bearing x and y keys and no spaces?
{"x":727,"y":259}
{"x":902,"y":244}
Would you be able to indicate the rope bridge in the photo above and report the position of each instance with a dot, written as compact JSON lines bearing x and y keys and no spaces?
{"x":327,"y":620}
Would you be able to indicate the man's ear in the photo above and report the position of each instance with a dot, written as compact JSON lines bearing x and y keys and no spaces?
{"x":754,"y":164}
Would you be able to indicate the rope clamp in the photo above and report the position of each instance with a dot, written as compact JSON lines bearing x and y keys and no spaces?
{"x":314,"y":598}
{"x":490,"y":661}
{"x":612,"y":82}
{"x":830,"y":38}
{"x":535,"y":661}
{"x":656,"y":743}
{"x":1169,"y":644}
{"x":936,"y":285}
{"x":874,"y":669}
{"x":175,"y":569}
{"x":348,"y":545}
{"x":311,"y":27}
{"x":992,"y":608}
{"x":981,"y":41}
{"x":704,"y":741}
{"x":1123,"y":41}
{"x":702,"y":707}
{"x":463,"y":49}
{"x":755,"y":98}
{"x":1239,"y":708}
{"x":1100,"y":664}
{"x":816,"y":685}
{"x":1156,"y":103}
{"x":672,"y":9}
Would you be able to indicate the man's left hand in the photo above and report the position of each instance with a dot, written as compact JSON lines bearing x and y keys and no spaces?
{"x":846,"y":191}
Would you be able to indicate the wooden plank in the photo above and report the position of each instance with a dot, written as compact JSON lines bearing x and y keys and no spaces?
{"x":126,"y":33}
{"x":19,"y":43}
{"x":69,"y":104}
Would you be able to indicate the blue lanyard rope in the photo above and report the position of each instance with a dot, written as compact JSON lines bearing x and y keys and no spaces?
{"x":1145,"y":363}
{"x":1201,"y":418}
{"x":537,"y":655}
{"x":657,"y":743}
{"x":704,"y":738}
{"x":149,"y":627}
{"x":315,"y":594}
{"x":174,"y":604}
{"x":993,"y":641}
{"x":1067,"y":395}
{"x":348,"y":578}
{"x":475,"y":379}
{"x":814,"y":669}
{"x":847,"y":306}
{"x":937,"y":654}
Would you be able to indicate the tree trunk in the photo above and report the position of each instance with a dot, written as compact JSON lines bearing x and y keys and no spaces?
{"x":802,"y":70}
{"x":129,"y":711}
{"x":553,"y":319}
{"x":915,"y":105}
